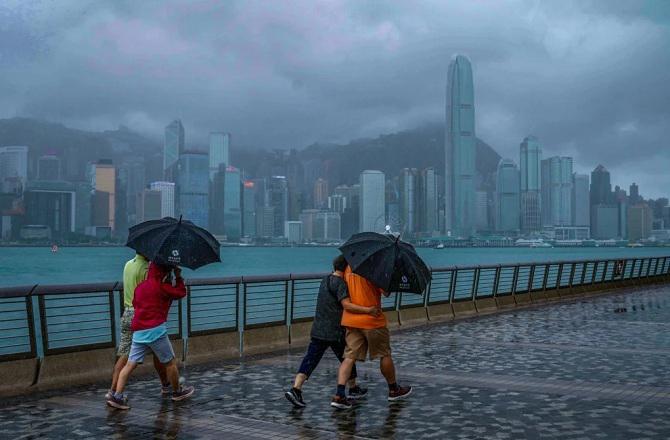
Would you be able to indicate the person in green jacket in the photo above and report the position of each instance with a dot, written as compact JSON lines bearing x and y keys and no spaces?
{"x":134,"y":272}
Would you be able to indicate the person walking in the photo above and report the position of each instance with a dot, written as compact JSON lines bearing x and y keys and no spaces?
{"x":134,"y":272}
{"x":152,"y":301}
{"x":327,"y":332}
{"x":366,"y":333}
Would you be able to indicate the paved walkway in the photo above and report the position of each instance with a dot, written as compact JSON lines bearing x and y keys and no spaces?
{"x":569,"y":371}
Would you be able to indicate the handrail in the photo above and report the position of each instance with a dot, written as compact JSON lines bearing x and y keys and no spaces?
{"x":50,"y":319}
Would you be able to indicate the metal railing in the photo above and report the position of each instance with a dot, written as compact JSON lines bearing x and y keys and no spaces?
{"x":37,"y":321}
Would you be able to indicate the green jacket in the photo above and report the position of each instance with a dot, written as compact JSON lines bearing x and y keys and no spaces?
{"x":134,"y":272}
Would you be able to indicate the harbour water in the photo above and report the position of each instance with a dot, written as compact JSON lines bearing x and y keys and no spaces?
{"x":36,"y":265}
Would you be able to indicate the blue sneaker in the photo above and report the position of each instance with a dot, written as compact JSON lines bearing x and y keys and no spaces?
{"x":118,"y":402}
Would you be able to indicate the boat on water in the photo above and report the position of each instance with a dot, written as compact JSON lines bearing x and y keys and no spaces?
{"x":54,"y":248}
{"x":532,"y":243}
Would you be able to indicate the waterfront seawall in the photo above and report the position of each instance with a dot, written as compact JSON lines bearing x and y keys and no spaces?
{"x":60,"y":336}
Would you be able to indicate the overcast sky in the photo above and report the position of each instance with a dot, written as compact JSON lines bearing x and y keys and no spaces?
{"x":591,"y":79}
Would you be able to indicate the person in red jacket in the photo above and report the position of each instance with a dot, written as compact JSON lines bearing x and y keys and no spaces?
{"x":152,"y":302}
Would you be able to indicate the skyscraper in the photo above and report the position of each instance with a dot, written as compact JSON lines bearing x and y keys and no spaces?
{"x":219,"y":151}
{"x":634,"y":194}
{"x":279,"y":201}
{"x":408,"y":201}
{"x":249,"y":208}
{"x":148,"y":205}
{"x":530,"y":172}
{"x":167,"y":190}
{"x":193,"y":187}
{"x":173,"y":147}
{"x":604,"y":211}
{"x":581,"y":212}
{"x":103,"y":181}
{"x":507,"y":197}
{"x":320,"y":193}
{"x":640,"y":219}
{"x":428,"y":211}
{"x":13,"y":167}
{"x":372,"y":201}
{"x":557,"y":191}
{"x":232,"y":214}
{"x":460,"y":147}
{"x":601,"y":188}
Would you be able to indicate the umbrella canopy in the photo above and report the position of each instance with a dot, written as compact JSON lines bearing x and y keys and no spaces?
{"x":174,"y":242}
{"x":387,"y":262}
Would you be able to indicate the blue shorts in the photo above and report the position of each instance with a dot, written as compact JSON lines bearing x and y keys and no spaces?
{"x":161,"y":348}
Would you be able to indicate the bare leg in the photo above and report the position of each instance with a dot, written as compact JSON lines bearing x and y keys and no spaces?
{"x":300,"y":379}
{"x":160,"y":369}
{"x":344,"y":372}
{"x":120,"y":363}
{"x":388,"y":369}
{"x":173,"y":374}
{"x":123,"y":376}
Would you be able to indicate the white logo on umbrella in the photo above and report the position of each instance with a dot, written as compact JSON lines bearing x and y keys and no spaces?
{"x":174,"y":257}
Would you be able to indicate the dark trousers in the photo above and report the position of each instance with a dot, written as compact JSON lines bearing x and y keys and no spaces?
{"x":315,"y":351}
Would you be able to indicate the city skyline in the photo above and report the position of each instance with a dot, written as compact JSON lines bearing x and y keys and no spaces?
{"x":539,"y":70}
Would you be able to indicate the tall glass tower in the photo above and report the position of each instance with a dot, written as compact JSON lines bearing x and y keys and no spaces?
{"x":531,"y":200}
{"x":507,"y":196}
{"x":219,"y":145}
{"x":557,"y":191}
{"x":372,"y":201}
{"x":460,"y":147}
{"x":173,"y":147}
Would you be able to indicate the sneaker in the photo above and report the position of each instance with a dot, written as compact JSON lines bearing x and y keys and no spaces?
{"x":109,"y":394}
{"x":357,"y":392}
{"x":295,"y":397}
{"x":166,"y":390}
{"x":340,"y":402}
{"x":118,"y":402}
{"x":399,"y":393}
{"x":183,"y":393}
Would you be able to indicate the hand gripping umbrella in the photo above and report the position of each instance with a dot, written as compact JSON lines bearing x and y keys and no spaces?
{"x":174,"y":242}
{"x":386,"y":261}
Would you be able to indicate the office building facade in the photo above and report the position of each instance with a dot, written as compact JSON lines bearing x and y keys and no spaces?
{"x":193,"y":187}
{"x":581,"y":212}
{"x":530,"y":187}
{"x":173,"y":147}
{"x":372,"y":201}
{"x":219,"y":151}
{"x":167,"y":190}
{"x":556,"y":177}
{"x":507,"y":200}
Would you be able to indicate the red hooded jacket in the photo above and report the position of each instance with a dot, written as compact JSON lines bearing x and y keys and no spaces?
{"x":153,"y":298}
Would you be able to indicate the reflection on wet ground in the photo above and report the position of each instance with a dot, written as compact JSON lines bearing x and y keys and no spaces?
{"x":596,"y":368}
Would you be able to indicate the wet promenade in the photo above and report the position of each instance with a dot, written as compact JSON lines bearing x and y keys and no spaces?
{"x":593,"y":368}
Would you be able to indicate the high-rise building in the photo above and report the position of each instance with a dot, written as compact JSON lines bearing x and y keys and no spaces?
{"x":219,"y":151}
{"x":249,"y":208}
{"x":460,"y":146}
{"x":408,"y":201}
{"x":167,"y":190}
{"x":337,"y":203}
{"x":530,"y":178}
{"x":103,"y":180}
{"x":640,"y":219}
{"x":350,"y":217}
{"x":320,"y":193}
{"x":232,"y":214}
{"x":308,"y":219}
{"x":581,"y":212}
{"x":13,"y":168}
{"x":372,"y":201}
{"x":507,"y":202}
{"x":601,"y":188}
{"x":293,"y":231}
{"x":172,"y":148}
{"x":57,"y":205}
{"x":48,"y":168}
{"x":193,"y":187}
{"x":149,"y":205}
{"x":557,"y":191}
{"x":279,"y":200}
{"x":482,"y":211}
{"x":265,"y":222}
{"x":428,"y":194}
{"x":634,"y":194}
{"x":327,"y":227}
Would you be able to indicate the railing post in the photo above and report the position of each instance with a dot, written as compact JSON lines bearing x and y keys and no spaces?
{"x":595,"y":271}
{"x":648,"y":268}
{"x":572,"y":275}
{"x":112,"y":317}
{"x":426,"y":298}
{"x":43,"y":325}
{"x":496,"y":281}
{"x":515,"y":278}
{"x":475,"y":282}
{"x":452,"y":284}
{"x":545,"y":277}
{"x":31,"y":325}
{"x":531,"y":278}
{"x":559,"y":277}
{"x":189,"y":292}
{"x":656,"y":267}
{"x":581,"y":280}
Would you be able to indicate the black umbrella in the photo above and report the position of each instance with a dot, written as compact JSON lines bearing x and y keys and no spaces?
{"x":387,"y":262}
{"x":174,"y":242}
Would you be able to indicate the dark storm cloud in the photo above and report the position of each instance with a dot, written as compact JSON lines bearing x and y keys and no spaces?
{"x":589,"y":78}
